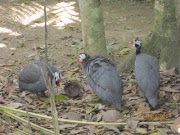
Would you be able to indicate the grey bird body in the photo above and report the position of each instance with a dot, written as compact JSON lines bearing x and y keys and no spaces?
{"x":146,"y":73}
{"x":104,"y":79}
{"x":147,"y":76}
{"x":32,"y":77}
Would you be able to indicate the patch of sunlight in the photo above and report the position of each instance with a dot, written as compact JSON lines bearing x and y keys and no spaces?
{"x":58,"y":15}
{"x":26,"y":14}
{"x":65,"y":14}
{"x":179,"y":129}
{"x":12,"y":48}
{"x":2,"y":45}
{"x":1,"y":7}
{"x":8,"y":31}
{"x":42,"y":24}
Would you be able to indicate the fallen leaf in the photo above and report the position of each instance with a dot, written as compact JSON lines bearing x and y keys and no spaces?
{"x":1,"y":98}
{"x":71,"y":73}
{"x":175,"y":112}
{"x":2,"y":128}
{"x":176,"y":125}
{"x":14,"y":105}
{"x":99,"y":117}
{"x":113,"y":128}
{"x":112,"y":116}
{"x":173,"y":106}
{"x":143,"y":107}
{"x":169,"y":71}
{"x":57,"y":98}
{"x":99,"y":101}
{"x":87,"y":87}
{"x":168,"y":89}
{"x":176,"y":87}
{"x":10,"y":87}
{"x":133,"y":123}
{"x":125,"y":111}
{"x":175,"y":97}
{"x":141,"y":130}
{"x":72,"y":116}
{"x":28,"y":99}
{"x":64,"y":126}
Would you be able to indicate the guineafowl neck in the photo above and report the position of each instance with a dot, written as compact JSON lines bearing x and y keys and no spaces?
{"x":138,"y":50}
{"x":85,"y":61}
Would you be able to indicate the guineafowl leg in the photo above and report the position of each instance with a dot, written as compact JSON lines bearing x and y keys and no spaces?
{"x":38,"y":96}
{"x":44,"y":94}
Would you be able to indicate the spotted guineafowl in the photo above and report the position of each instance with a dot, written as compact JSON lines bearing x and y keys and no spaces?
{"x":32,"y":77}
{"x":146,"y":73}
{"x":103,"y":78}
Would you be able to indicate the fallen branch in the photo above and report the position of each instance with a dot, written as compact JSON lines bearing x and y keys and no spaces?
{"x":26,"y":122}
{"x":79,"y":122}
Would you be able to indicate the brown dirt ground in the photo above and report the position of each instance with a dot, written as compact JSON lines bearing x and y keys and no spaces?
{"x":22,"y":42}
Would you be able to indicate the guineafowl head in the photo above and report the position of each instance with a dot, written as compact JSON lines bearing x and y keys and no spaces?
{"x":58,"y":77}
{"x":83,"y":57}
{"x":136,"y":43}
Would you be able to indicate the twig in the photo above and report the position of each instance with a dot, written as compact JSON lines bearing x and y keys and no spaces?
{"x":13,"y":128}
{"x":26,"y":122}
{"x":29,"y":124}
{"x":50,"y":87}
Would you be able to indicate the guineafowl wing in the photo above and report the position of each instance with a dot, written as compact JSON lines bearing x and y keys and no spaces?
{"x":103,"y":73}
{"x":30,"y":74}
{"x":147,"y":74}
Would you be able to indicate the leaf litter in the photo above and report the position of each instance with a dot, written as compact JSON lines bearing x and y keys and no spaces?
{"x":88,"y":108}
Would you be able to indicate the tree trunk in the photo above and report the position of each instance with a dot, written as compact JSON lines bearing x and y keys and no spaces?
{"x":165,"y":34}
{"x":92,"y":27}
{"x":178,"y":24}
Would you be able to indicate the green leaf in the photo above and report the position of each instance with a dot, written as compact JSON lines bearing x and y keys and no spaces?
{"x":68,"y":28}
{"x":173,"y":106}
{"x":125,"y":111}
{"x":99,"y":101}
{"x":57,"y":98}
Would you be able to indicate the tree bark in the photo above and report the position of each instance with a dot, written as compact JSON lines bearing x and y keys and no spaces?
{"x":178,"y":25}
{"x":92,"y":27}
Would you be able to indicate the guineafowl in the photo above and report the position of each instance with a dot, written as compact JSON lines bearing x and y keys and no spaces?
{"x":146,"y":73}
{"x":103,"y":78}
{"x":32,"y":77}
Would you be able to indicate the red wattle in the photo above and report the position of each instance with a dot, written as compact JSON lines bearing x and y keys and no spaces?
{"x":80,"y":61}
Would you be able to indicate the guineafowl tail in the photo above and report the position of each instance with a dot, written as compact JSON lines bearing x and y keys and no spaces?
{"x":153,"y":102}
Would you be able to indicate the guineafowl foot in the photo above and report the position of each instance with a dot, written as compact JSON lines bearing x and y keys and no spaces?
{"x":42,"y":94}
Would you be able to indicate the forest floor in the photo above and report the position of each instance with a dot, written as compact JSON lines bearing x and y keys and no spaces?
{"x":22,"y":42}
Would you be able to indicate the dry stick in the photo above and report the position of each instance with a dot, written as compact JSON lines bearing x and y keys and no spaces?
{"x":29,"y":124}
{"x":50,"y":87}
{"x":12,"y":127}
{"x":76,"y":121}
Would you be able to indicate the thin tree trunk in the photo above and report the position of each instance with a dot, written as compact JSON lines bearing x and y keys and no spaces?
{"x":178,"y":24}
{"x":92,"y":27}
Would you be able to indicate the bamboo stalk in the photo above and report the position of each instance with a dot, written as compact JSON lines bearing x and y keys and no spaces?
{"x":26,"y":122}
{"x":79,"y":122}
